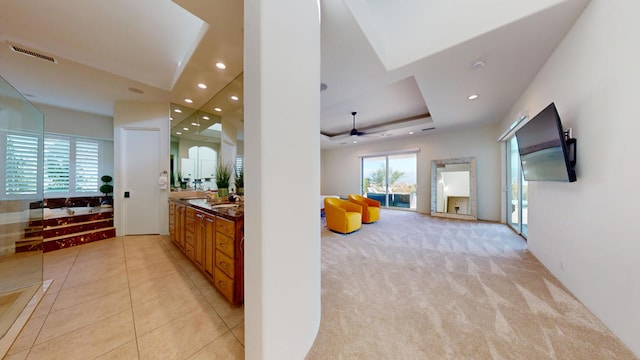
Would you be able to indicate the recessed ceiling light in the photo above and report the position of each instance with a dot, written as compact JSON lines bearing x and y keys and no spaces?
{"x":205,"y":117}
{"x":136,"y":90}
{"x":410,"y":132}
{"x":221,"y":66}
{"x":185,"y":129}
{"x":170,"y":118}
{"x":477,"y":64}
{"x":355,"y":142}
{"x":188,"y":101}
{"x":178,"y":133}
{"x":194,"y":124}
{"x":234,"y":98}
{"x":202,"y":86}
{"x":177,"y":110}
{"x":217,"y":109}
{"x":473,"y":97}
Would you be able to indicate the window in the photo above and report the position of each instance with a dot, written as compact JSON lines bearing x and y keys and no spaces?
{"x":87,"y":165}
{"x":238,"y":164}
{"x":57,"y":154}
{"x":21,"y":165}
{"x":59,"y":165}
{"x":390,"y":179}
{"x":517,"y":202}
{"x":71,"y":165}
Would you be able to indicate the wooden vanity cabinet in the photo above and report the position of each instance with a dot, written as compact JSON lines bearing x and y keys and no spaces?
{"x":177,"y":223}
{"x":189,"y":235}
{"x":172,"y":221}
{"x":229,"y":258}
{"x":213,"y":243}
{"x":209,"y":244}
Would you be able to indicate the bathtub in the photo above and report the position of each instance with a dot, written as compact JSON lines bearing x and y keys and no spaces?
{"x":72,"y":211}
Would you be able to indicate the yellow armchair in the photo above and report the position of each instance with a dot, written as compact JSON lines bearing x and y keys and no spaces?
{"x":370,"y":208}
{"x":342,"y":216}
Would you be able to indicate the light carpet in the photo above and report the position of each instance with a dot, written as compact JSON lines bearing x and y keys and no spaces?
{"x":415,"y":287}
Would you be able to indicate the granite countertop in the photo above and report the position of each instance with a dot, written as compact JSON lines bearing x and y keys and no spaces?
{"x":227,"y":210}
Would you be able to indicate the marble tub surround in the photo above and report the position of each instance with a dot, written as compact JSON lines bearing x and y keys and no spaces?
{"x":133,"y":297}
{"x":63,"y":229}
{"x":81,"y":201}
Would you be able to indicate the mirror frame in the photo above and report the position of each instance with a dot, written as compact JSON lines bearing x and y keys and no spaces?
{"x":472,"y":188}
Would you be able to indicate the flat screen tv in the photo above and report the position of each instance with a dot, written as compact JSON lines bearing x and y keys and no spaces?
{"x":546,"y":153}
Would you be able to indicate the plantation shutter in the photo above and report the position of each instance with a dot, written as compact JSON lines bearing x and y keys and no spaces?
{"x":87,"y":165}
{"x":238,"y":164}
{"x":21,"y":165}
{"x":56,"y":164}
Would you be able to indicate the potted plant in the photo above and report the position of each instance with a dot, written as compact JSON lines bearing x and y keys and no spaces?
{"x":106,"y":189}
{"x":223,"y":175}
{"x":183,"y":184}
{"x":240,"y":181}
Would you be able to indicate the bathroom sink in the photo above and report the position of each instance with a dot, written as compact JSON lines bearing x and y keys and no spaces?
{"x":224,"y":205}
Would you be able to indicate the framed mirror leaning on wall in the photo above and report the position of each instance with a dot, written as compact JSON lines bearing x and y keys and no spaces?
{"x":453,"y":188}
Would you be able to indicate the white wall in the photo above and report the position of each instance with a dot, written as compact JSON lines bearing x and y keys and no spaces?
{"x":282,"y":163}
{"x":71,"y":122}
{"x":77,"y":123}
{"x":341,"y":166}
{"x":592,"y":225}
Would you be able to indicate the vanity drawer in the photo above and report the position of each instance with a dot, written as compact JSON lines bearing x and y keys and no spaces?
{"x":190,"y":251}
{"x":190,"y":238}
{"x":225,"y":263}
{"x":224,"y":283}
{"x":224,"y":244}
{"x":225,"y":226}
{"x":190,"y":224}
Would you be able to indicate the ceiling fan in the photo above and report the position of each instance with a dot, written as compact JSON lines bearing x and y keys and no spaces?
{"x":354,"y":131}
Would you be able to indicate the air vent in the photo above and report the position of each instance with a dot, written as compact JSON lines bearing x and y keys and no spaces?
{"x":427,"y":129}
{"x":32,"y":53}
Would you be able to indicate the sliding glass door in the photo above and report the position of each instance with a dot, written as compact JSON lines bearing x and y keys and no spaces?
{"x":390,"y":179}
{"x":517,"y":200}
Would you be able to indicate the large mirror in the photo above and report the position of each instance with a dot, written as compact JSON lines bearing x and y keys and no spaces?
{"x":453,"y":188}
{"x":198,"y":141}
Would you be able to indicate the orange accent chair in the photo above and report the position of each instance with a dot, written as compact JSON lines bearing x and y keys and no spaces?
{"x":342,"y":216}
{"x":370,"y":208}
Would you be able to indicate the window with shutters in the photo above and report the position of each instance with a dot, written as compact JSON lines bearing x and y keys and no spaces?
{"x":87,"y":165}
{"x":69,"y":166}
{"x":57,"y":158}
{"x":238,"y":164}
{"x":21,"y":166}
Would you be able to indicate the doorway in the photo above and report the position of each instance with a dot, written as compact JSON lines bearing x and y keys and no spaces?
{"x":517,"y":189}
{"x":390,"y":179}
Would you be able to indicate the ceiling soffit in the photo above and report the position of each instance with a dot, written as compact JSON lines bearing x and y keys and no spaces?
{"x":125,"y":38}
{"x":402,"y":32}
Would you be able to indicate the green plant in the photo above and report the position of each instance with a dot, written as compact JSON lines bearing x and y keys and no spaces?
{"x":240,"y":178}
{"x":106,"y":188}
{"x":223,"y":175}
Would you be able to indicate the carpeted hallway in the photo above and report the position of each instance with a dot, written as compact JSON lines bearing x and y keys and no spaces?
{"x":415,"y":287}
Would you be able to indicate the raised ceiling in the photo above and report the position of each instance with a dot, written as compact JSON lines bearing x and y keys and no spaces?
{"x":403,"y":66}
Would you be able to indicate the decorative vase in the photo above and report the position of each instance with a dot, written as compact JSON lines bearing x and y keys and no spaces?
{"x":223,"y":193}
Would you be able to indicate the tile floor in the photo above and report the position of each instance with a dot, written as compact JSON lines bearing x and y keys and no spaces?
{"x":134,"y":297}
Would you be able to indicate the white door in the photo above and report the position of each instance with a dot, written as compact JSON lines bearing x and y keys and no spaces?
{"x":140,"y":181}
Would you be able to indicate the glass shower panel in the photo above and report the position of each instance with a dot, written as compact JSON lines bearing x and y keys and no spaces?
{"x":21,"y":179}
